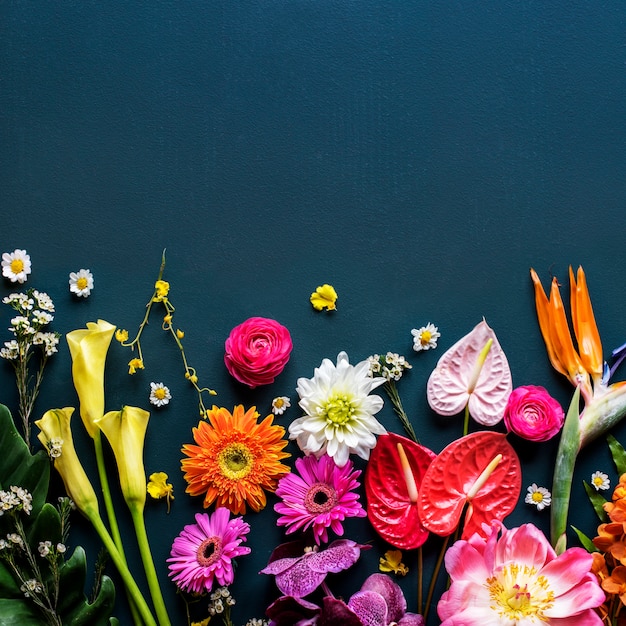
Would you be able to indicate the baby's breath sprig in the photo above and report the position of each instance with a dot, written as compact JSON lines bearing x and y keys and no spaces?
{"x":160,"y":295}
{"x":34,"y":312}
{"x":391,"y":366}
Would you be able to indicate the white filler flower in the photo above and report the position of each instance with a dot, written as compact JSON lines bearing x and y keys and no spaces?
{"x":81,"y":283}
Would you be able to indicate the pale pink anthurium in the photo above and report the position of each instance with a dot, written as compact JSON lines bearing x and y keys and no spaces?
{"x":475,"y":373}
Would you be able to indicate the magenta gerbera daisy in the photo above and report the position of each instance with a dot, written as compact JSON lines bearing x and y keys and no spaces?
{"x":321,"y":496}
{"x":204,"y":551}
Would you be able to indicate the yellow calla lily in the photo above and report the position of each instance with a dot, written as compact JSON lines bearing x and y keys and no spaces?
{"x":88,"y":348}
{"x":55,"y":427}
{"x":126,"y":431}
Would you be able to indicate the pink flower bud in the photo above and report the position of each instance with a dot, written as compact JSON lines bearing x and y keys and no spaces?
{"x":532,"y":413}
{"x":257,"y":351}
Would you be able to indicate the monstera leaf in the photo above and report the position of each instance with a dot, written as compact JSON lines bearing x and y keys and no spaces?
{"x":32,"y":472}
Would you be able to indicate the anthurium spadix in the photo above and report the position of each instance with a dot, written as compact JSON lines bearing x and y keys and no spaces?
{"x":473,"y":373}
{"x":392,"y":482}
{"x":88,"y":349}
{"x":479,"y":473}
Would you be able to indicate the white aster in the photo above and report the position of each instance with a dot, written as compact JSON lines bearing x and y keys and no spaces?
{"x":538,"y":496}
{"x":339,"y":412}
{"x":81,"y":283}
{"x":280,"y":405}
{"x":599,"y":480}
{"x":16,"y":266}
{"x":425,"y":338}
{"x":159,"y":394}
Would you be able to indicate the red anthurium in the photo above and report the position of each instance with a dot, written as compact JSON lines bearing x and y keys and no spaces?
{"x":481,"y":470}
{"x":392,"y":482}
{"x":474,"y":372}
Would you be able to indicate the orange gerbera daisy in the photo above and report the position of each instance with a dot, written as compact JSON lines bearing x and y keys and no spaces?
{"x":236,"y":459}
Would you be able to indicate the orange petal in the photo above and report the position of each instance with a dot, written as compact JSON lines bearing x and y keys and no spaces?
{"x":585,"y":329}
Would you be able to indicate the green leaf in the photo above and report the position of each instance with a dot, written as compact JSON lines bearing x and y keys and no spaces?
{"x":19,"y":612}
{"x":618,"y":453}
{"x":597,"y":501}
{"x":584,"y":540}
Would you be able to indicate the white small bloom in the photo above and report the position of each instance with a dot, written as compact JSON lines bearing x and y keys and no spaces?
{"x":42,"y":317}
{"x":10,"y":351}
{"x":16,"y":266}
{"x":538,"y":496}
{"x":44,"y":301}
{"x":599,"y":480}
{"x":425,"y":338}
{"x":339,"y":412}
{"x":159,"y":394}
{"x":280,"y":405}
{"x":44,"y":548}
{"x":51,"y":341}
{"x":61,"y":548}
{"x":81,"y":283}
{"x":31,"y":587}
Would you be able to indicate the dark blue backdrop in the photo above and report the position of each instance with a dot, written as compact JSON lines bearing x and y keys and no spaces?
{"x":419,"y":156}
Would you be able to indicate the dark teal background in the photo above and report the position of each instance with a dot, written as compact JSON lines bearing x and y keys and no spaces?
{"x":419,"y":156}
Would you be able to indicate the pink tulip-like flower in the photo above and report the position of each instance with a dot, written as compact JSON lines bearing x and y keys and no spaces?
{"x":257,"y":351}
{"x":532,"y":413}
{"x":517,"y":579}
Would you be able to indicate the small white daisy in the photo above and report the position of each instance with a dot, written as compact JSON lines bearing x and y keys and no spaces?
{"x":81,"y":283}
{"x":159,"y":394}
{"x":599,"y":480}
{"x":538,"y":496}
{"x":16,"y":266}
{"x":280,"y":405}
{"x":425,"y":338}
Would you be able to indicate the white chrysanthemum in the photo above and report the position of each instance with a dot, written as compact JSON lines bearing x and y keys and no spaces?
{"x":425,"y":338}
{"x":599,"y":480}
{"x":16,"y":266}
{"x":81,"y":283}
{"x":339,"y":412}
{"x":538,"y":496}
{"x":159,"y":394}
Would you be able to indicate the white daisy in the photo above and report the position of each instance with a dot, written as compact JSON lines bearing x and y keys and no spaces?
{"x":339,"y":412}
{"x":16,"y":266}
{"x":159,"y":394}
{"x":425,"y":338}
{"x":599,"y":480}
{"x":538,"y":496}
{"x":81,"y":283}
{"x":280,"y":405}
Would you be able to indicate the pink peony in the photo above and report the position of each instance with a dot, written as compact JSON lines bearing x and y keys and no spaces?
{"x":517,"y":579}
{"x":257,"y":351}
{"x":532,"y":413}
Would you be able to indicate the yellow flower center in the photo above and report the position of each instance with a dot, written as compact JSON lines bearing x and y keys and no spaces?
{"x":81,"y":283}
{"x":235,"y":461}
{"x":278,"y":403}
{"x":517,"y":593}
{"x":338,"y":409}
{"x":537,"y":496}
{"x":17,"y":266}
{"x":425,"y":337}
{"x":159,"y":393}
{"x":598,"y":481}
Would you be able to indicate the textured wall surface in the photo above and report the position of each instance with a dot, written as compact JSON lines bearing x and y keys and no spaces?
{"x":419,"y":156}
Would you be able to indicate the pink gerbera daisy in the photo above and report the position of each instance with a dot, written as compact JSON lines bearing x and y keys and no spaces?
{"x":203,"y":552}
{"x":321,"y":497}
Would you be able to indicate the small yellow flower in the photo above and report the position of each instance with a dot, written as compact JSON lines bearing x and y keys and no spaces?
{"x":158,"y":488}
{"x":204,"y":622}
{"x":161,"y":288}
{"x":121,"y":335}
{"x":392,"y":562}
{"x":134,"y":365}
{"x":179,"y":333}
{"x":324,"y":297}
{"x":167,"y":319}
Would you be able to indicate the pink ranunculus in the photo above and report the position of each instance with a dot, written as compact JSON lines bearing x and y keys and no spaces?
{"x":517,"y":578}
{"x":532,"y":413}
{"x":257,"y":351}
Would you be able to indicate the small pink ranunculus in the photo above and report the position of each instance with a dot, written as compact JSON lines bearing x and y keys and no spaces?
{"x":532,"y":413}
{"x":257,"y":351}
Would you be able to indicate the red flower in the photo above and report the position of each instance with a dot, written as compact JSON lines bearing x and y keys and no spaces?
{"x":532,"y":413}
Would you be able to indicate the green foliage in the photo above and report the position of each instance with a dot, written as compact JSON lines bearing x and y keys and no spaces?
{"x":597,"y":500}
{"x":584,"y":540}
{"x":32,"y":472}
{"x":618,"y":453}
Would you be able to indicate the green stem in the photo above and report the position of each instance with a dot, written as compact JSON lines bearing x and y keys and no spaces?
{"x":433,"y":582}
{"x":148,"y":564}
{"x":466,"y":420}
{"x":129,"y":582}
{"x":108,"y":505}
{"x":394,"y":396}
{"x":569,"y":446}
